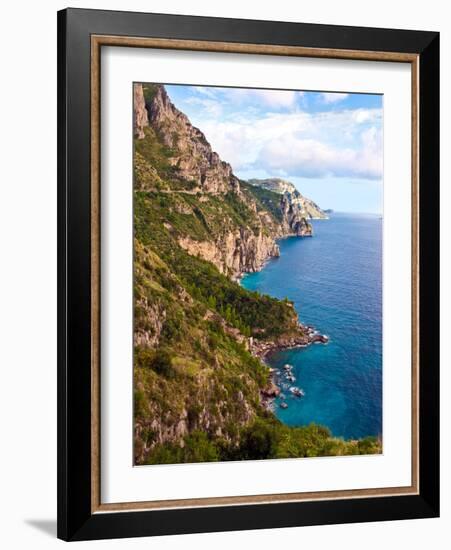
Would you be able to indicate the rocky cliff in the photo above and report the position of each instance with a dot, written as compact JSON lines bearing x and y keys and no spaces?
{"x":233,"y":248}
{"x":235,"y":252}
{"x":303,"y":206}
{"x":140,"y":118}
{"x":294,"y":218}
{"x":192,"y":156}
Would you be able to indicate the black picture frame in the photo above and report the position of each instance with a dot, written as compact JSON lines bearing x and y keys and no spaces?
{"x":76,"y":521}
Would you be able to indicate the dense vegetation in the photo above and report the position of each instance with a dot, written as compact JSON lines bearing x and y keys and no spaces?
{"x":268,"y":199}
{"x":196,"y":385}
{"x":266,"y":438}
{"x":241,"y":308}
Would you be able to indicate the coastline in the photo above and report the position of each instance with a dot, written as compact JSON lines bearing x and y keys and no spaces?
{"x":263,"y":349}
{"x":307,"y":336}
{"x":342,"y":387}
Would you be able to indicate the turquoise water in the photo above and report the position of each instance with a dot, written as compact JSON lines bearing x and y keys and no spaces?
{"x":335,"y":282}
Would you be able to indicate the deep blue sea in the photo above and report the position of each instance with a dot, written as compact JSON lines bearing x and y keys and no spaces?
{"x":335,"y":282}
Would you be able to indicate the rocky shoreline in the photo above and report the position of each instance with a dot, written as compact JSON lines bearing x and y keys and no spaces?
{"x":308,"y":335}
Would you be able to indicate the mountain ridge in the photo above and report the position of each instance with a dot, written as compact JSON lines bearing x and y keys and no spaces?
{"x":200,"y":171}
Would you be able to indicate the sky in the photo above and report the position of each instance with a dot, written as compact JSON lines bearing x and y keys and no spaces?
{"x":329,"y":144}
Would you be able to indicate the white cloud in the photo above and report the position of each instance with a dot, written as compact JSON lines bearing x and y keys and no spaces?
{"x":332,"y":97}
{"x":272,"y":98}
{"x":297,"y":143}
{"x":239,"y":141}
{"x":205,"y":91}
{"x":237,"y":97}
{"x":211,"y":107}
{"x":311,"y":158}
{"x":365,"y":115}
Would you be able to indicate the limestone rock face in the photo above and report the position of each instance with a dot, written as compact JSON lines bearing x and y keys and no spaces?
{"x":305,"y":207}
{"x":237,"y":252}
{"x":140,"y":119}
{"x":193,"y":156}
{"x":294,"y":217}
{"x":155,"y":316}
{"x":173,"y":426}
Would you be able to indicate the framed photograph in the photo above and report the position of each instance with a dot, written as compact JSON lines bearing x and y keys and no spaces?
{"x":248,"y":274}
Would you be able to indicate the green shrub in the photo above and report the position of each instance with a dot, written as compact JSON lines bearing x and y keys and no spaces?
{"x":159,"y":361}
{"x":140,"y":403}
{"x":197,"y":448}
{"x":368,"y":445}
{"x":259,"y":441}
{"x":162,"y":363}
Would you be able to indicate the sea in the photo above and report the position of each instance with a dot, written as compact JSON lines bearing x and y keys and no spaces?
{"x":335,"y":281}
